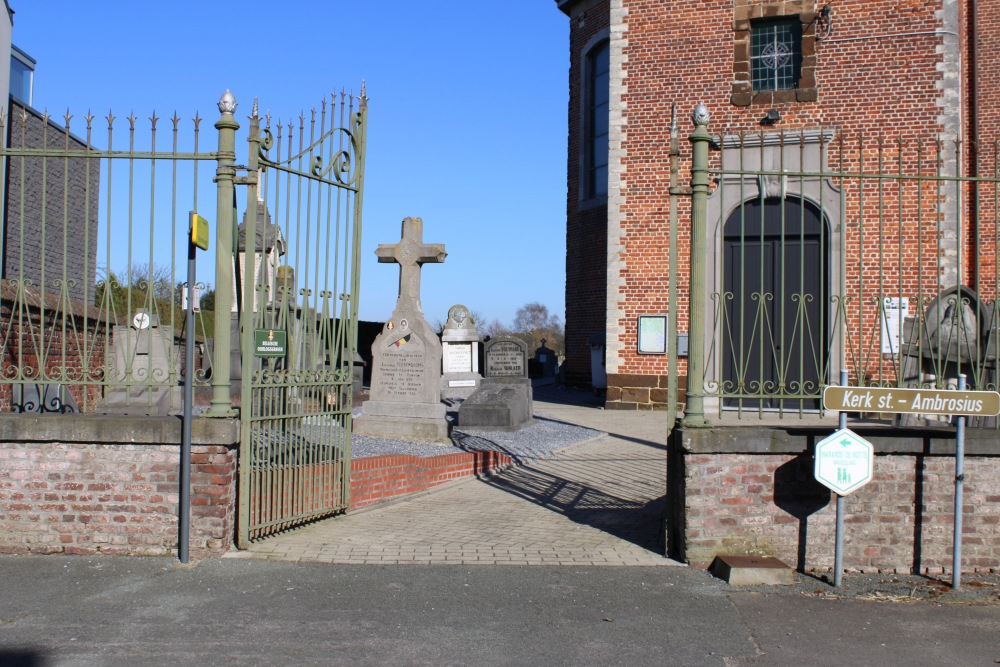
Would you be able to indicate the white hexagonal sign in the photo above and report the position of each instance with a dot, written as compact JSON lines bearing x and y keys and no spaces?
{"x":844,"y":462}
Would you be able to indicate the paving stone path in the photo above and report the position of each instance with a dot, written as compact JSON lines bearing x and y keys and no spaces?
{"x":596,"y":503}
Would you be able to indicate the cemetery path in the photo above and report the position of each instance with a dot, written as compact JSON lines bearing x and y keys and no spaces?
{"x":597,"y":503}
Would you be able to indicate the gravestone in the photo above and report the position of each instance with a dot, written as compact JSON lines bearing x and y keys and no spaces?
{"x":547,"y":364}
{"x":405,"y":396}
{"x":460,"y":355}
{"x":503,"y":400}
{"x":141,"y":357}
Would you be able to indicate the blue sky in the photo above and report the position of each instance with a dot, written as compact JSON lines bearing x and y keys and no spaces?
{"x":467,"y":114}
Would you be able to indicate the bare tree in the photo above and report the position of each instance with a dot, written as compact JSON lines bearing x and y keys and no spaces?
{"x":533,"y":322}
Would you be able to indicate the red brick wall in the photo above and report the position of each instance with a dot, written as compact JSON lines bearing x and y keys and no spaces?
{"x":113,"y":499}
{"x":379,"y":478}
{"x":769,"y":504}
{"x":586,"y":226}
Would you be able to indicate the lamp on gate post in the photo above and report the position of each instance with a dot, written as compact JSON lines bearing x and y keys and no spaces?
{"x":694,"y":411}
{"x":225,"y":175}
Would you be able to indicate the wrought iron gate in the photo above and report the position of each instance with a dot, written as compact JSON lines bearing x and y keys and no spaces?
{"x":301,"y":235}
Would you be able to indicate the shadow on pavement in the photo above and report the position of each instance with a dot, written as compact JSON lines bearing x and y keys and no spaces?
{"x":637,"y":521}
{"x":565,"y":396}
{"x":21,"y":658}
{"x":630,"y":520}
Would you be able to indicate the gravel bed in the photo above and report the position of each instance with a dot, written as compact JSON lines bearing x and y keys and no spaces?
{"x":538,"y":440}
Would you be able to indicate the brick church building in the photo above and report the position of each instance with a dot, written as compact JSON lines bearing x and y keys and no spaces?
{"x":852,"y":184}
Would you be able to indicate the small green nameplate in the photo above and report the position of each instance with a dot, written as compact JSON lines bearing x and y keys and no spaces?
{"x":270,"y":342}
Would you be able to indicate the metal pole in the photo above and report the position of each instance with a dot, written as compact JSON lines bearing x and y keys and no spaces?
{"x":956,"y":554}
{"x":694,"y":411}
{"x":185,"y":476}
{"x":225,"y":175}
{"x":838,"y":554}
{"x":248,"y":315}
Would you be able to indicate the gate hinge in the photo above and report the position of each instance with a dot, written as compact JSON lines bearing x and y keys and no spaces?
{"x":249,"y":179}
{"x":681,"y":190}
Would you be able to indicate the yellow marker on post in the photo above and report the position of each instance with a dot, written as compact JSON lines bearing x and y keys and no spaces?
{"x":199,"y":239}
{"x":199,"y":231}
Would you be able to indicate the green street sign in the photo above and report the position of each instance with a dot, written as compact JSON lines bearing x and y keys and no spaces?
{"x":270,"y":342}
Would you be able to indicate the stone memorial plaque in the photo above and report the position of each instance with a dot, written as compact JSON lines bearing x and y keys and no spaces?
{"x":402,"y":369}
{"x":458,"y":358}
{"x":506,"y":358}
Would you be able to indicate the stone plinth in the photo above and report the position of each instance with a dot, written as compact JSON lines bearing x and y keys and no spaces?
{"x":500,"y":404}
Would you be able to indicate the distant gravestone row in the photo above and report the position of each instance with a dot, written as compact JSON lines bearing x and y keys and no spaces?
{"x":413,"y":370}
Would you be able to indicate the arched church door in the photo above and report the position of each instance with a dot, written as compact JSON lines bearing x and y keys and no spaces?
{"x":774,"y":342}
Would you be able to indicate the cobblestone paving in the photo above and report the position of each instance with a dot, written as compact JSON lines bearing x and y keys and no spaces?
{"x":597,"y":503}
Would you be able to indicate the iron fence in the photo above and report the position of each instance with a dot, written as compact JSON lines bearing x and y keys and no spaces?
{"x":825,"y":251}
{"x":94,"y":245}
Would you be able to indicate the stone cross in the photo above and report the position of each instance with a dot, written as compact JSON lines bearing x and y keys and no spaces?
{"x":411,"y":253}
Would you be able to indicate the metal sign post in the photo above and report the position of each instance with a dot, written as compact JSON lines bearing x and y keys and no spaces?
{"x":198,"y":239}
{"x":956,"y":553}
{"x":959,"y":403}
{"x":838,"y":554}
{"x":844,"y":463}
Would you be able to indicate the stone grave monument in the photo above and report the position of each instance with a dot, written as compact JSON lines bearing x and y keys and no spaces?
{"x":955,"y":332}
{"x":460,"y":355}
{"x":405,"y":397}
{"x":547,"y":364}
{"x":141,"y":360}
{"x":271,"y":247}
{"x":503,"y":400}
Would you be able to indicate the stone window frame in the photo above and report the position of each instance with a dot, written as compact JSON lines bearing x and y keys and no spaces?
{"x":743,"y":17}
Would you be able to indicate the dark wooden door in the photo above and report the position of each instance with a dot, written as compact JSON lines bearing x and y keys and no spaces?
{"x":774,"y":342}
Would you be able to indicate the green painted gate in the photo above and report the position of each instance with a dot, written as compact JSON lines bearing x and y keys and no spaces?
{"x":298,"y":247}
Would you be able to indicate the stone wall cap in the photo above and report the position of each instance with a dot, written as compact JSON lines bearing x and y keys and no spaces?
{"x":116,"y":430}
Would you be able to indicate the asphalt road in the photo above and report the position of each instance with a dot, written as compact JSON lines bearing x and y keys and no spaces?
{"x":108,"y":611}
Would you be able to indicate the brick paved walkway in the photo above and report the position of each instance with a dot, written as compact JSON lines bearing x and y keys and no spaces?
{"x":596,"y":503}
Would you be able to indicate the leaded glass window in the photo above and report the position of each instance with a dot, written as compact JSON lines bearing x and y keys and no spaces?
{"x":776,"y":54}
{"x":597,"y":121}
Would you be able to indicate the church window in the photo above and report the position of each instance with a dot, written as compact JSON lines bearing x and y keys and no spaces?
{"x":776,"y":54}
{"x":596,"y":127}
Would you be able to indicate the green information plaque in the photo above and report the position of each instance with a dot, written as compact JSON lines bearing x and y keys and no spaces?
{"x":270,"y":342}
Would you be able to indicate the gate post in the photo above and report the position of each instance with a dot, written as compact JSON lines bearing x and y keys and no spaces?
{"x":694,"y":412}
{"x":225,"y":175}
